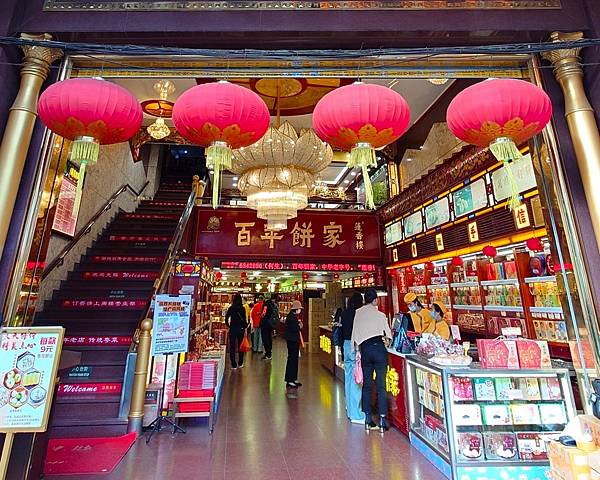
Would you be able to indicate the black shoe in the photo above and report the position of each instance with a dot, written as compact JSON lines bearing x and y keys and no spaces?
{"x":383,"y":425}
{"x":268,"y":358}
{"x":291,"y":385}
{"x":370,"y":425}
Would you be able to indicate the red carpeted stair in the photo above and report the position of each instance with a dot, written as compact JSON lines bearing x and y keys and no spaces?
{"x":101,"y":303}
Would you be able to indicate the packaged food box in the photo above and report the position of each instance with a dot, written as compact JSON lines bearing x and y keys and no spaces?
{"x":484,"y":389}
{"x":462,"y":388}
{"x":550,"y":389}
{"x":498,"y":353}
{"x":569,"y":463}
{"x":506,"y":389}
{"x":496,"y":415}
{"x":525,"y":414}
{"x":553,"y":414}
{"x":530,"y":388}
{"x":466,"y":415}
{"x":469,"y":446}
{"x":533,"y":354}
{"x":532,"y":446}
{"x":500,"y":445}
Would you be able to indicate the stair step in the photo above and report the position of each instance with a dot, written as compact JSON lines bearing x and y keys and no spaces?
{"x":150,"y":238}
{"x":118,"y":266}
{"x":104,"y":275}
{"x":102,"y":291}
{"x":148,"y":228}
{"x":85,"y":410}
{"x":82,"y":429}
{"x":157,"y":259}
{"x":96,"y":374}
{"x":103,"y":303}
{"x":127,"y":249}
{"x":167,"y":217}
{"x":109,"y":315}
{"x":102,"y":356}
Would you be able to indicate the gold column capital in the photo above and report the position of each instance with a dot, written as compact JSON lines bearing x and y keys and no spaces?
{"x":565,"y":60}
{"x":37,"y":59}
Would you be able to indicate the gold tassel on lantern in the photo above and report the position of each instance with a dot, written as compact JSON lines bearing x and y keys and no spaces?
{"x":218,"y":156}
{"x":363,"y":155}
{"x":505,"y":150}
{"x":84,"y":151}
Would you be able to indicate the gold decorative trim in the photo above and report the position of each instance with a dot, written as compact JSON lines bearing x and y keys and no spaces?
{"x":220,"y":5}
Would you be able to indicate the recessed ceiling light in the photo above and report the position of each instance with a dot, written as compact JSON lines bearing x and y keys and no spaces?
{"x":346,"y":181}
{"x":409,"y":159}
{"x":421,"y":147}
{"x":234,"y":184}
{"x":353,"y":174}
{"x":235,"y":179}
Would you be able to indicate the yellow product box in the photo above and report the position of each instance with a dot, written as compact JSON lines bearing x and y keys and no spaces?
{"x":591,"y":425}
{"x":570,"y":463}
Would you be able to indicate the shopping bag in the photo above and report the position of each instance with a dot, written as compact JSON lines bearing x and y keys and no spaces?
{"x":301,"y":341}
{"x":358,"y":373}
{"x":245,"y":345}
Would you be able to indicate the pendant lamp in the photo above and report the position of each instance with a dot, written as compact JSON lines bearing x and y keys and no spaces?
{"x":90,"y":112}
{"x":500,"y":114}
{"x":220,"y":116}
{"x":359,"y":119}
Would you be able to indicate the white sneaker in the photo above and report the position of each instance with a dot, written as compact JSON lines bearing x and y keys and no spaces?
{"x":358,"y":422}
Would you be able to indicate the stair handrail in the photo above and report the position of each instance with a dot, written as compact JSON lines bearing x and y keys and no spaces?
{"x":60,"y":259}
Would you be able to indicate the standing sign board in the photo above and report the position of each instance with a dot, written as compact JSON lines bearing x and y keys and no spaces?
{"x":170,"y":331}
{"x":29,"y":360}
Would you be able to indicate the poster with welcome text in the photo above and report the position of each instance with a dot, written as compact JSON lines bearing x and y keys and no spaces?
{"x":28,"y":367}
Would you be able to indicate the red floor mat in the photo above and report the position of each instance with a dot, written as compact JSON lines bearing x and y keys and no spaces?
{"x":80,"y":456}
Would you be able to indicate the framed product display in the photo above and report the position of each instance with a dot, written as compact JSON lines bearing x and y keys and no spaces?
{"x":468,"y":421}
{"x":29,"y":360}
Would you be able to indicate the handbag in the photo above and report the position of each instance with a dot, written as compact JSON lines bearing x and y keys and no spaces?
{"x":358,"y":373}
{"x":245,"y":344}
{"x":337,"y":336}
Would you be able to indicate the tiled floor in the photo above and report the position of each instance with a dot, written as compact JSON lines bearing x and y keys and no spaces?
{"x":264,"y":433}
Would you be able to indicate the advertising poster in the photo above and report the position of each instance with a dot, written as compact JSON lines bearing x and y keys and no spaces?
{"x":65,"y":221}
{"x":28,"y":367}
{"x":413,"y":224}
{"x":170,"y":331}
{"x":523,"y":173}
{"x":393,"y":233}
{"x":470,"y":198}
{"x":437,"y":213}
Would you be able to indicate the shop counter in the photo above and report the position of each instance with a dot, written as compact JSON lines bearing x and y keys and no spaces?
{"x":474,"y":423}
{"x":326,"y":352}
{"x":395,"y":385}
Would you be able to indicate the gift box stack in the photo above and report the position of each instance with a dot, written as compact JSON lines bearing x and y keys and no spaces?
{"x":197,"y":379}
{"x":514,"y":354}
{"x":581,"y":462}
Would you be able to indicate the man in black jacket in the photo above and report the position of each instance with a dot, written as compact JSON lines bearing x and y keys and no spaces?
{"x":291,"y":333}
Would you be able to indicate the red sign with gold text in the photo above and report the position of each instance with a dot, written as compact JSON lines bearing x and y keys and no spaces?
{"x":237,"y":233}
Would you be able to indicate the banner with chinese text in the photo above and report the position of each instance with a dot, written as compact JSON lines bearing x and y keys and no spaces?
{"x":28,"y":367}
{"x":313,"y":235}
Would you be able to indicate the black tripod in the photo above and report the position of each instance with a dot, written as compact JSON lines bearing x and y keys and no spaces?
{"x":157,"y":423}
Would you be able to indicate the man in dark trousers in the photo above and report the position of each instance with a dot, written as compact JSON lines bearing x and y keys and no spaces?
{"x":268,"y":322}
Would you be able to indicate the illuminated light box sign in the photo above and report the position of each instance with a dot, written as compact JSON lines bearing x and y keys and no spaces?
{"x":314,"y":236}
{"x":300,"y":267}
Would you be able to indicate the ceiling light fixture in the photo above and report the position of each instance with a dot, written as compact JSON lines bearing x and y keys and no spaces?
{"x":437,"y":81}
{"x":159,"y":129}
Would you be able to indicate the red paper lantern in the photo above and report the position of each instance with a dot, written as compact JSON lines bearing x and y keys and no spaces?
{"x":500,"y":114}
{"x":91,"y":113}
{"x":296,"y":283}
{"x":305,"y":276}
{"x":336,"y":276}
{"x":243,"y":275}
{"x":429,"y":266}
{"x":490,"y":251}
{"x":218,"y":276}
{"x":457,"y":262}
{"x":534,"y":244}
{"x":360,"y":118}
{"x":220,"y":116}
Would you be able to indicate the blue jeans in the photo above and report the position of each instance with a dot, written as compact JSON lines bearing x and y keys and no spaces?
{"x":256,"y":340}
{"x":353,"y":390}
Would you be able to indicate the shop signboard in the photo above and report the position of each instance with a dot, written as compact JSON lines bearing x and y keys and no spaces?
{"x":170,"y":330}
{"x":393,"y":233}
{"x":523,"y":174}
{"x":298,"y":266}
{"x":437,"y":213}
{"x":29,"y":360}
{"x":439,"y":242}
{"x":340,"y":237}
{"x":413,"y":224}
{"x":471,"y":198}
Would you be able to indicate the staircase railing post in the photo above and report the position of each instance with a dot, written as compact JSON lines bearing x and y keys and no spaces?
{"x":138,"y":394}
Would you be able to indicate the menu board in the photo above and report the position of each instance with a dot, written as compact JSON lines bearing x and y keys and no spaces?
{"x":523,"y":173}
{"x":65,"y":221}
{"x":28,"y":367}
{"x":413,"y":224}
{"x":470,"y":198}
{"x":170,"y":330}
{"x":437,"y":213}
{"x":393,"y":233}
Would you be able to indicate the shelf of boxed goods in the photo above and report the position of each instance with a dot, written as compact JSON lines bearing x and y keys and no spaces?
{"x":468,"y":316}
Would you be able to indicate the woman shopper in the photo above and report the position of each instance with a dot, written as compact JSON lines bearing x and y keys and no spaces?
{"x":352,"y":389}
{"x":291,"y":333}
{"x":235,"y":319}
{"x":370,"y":333}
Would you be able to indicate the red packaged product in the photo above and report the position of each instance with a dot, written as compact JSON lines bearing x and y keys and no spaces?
{"x":533,"y":353}
{"x":462,"y":387}
{"x":498,"y":353}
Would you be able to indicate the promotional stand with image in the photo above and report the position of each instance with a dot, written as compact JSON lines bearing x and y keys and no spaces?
{"x":170,"y":335}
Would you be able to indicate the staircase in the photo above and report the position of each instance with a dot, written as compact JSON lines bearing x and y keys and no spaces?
{"x":100,"y":305}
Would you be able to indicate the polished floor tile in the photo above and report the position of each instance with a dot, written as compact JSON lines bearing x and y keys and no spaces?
{"x":266,"y":432}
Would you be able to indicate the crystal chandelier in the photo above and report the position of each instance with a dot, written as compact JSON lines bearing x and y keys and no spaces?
{"x":278,"y":172}
{"x":321,"y":190}
{"x":159,"y":129}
